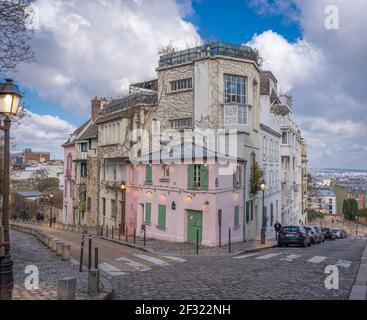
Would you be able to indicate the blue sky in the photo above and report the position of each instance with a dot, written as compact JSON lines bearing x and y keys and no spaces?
{"x":96,"y":48}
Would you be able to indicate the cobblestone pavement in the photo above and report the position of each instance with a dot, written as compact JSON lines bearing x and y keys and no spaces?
{"x":27,"y":250}
{"x":280,"y":273}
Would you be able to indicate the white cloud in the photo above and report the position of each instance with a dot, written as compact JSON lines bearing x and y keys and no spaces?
{"x":293,"y":63}
{"x":42,"y":133}
{"x":89,"y":48}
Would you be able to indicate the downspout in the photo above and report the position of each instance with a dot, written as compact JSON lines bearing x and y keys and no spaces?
{"x":244,"y":203}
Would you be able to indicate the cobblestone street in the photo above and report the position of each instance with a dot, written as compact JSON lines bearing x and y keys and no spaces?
{"x":27,"y":250}
{"x":279,"y":273}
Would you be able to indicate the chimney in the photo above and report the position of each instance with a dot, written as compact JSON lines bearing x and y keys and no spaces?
{"x":96,"y":107}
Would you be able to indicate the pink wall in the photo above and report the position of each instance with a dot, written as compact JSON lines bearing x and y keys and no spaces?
{"x":68,"y":181}
{"x":223,"y":197}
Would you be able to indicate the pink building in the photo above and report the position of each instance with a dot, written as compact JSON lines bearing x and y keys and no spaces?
{"x":69,"y":181}
{"x":175,"y":197}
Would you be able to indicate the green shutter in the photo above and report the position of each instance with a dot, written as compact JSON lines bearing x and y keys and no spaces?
{"x":204,"y":173}
{"x":161,"y":216}
{"x":148,"y":173}
{"x":190,"y":176}
{"x":236,"y":216}
{"x":148,"y":213}
{"x":252,"y":210}
{"x":247,"y":211}
{"x":234,"y":181}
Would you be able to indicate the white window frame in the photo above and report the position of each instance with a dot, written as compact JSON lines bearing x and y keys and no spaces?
{"x":236,"y":114}
{"x":181,"y":85}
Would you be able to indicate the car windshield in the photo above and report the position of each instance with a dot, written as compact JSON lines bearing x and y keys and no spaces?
{"x":334,"y":231}
{"x":325,"y":229}
{"x":307,"y":228}
{"x":290,"y":229}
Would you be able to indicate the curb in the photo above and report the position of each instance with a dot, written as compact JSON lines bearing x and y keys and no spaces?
{"x":135,"y":246}
{"x":359,"y":289}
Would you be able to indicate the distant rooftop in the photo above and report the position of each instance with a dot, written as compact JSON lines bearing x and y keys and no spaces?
{"x":215,"y":49}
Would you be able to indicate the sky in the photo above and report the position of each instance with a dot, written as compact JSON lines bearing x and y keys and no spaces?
{"x":97,"y":47}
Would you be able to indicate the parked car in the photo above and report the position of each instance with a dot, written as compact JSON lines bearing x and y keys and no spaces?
{"x":320,"y":234}
{"x":337,"y":233}
{"x":344,"y":233}
{"x":328,"y":233}
{"x":297,"y":235}
{"x":312,"y":232}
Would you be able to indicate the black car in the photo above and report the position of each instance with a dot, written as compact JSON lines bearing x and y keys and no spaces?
{"x":293,"y":235}
{"x":329,"y":234}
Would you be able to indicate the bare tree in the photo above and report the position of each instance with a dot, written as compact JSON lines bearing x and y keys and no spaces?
{"x":14,"y":34}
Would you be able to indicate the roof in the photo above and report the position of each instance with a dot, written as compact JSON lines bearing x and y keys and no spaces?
{"x":89,"y":133}
{"x":184,"y":151}
{"x":75,"y":134}
{"x":30,"y":194}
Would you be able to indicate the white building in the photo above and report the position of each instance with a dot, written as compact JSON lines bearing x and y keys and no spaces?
{"x":270,"y":139}
{"x":323,"y":200}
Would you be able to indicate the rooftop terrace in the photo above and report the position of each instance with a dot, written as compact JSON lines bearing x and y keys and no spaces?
{"x":214,"y":48}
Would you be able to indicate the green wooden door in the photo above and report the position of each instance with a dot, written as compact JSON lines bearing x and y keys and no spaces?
{"x":195,"y":222}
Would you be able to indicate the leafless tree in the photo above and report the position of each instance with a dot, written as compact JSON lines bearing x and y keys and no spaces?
{"x":14,"y":34}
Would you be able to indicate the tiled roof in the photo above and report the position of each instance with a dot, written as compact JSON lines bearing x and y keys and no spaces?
{"x":90,"y":132}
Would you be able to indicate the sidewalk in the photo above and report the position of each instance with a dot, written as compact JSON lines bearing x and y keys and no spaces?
{"x":161,"y":247}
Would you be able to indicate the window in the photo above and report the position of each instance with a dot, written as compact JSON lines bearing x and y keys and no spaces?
{"x":235,"y":114}
{"x":179,"y":85}
{"x":113,"y":208}
{"x":161,"y":216}
{"x":83,"y":169}
{"x":104,"y":206}
{"x":148,"y":173}
{"x":284,"y":137}
{"x":236,"y":216}
{"x":181,"y":123}
{"x":237,"y":177}
{"x":148,"y":213}
{"x":84,"y":147}
{"x":234,"y":89}
{"x":89,"y":203}
{"x":165,"y":171}
{"x":197,"y":176}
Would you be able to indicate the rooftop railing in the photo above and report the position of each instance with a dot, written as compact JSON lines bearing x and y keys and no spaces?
{"x":142,"y":98}
{"x":212,"y":49}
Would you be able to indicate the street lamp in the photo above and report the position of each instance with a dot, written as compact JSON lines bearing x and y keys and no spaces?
{"x":51,"y":197}
{"x":263,"y":187}
{"x":10,"y":97}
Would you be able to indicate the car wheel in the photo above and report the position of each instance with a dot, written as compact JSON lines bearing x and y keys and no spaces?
{"x":280,"y":245}
{"x":309,"y":244}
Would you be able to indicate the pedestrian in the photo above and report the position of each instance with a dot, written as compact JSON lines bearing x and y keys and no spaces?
{"x":277,"y":227}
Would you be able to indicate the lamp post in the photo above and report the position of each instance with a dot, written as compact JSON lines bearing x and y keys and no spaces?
{"x":263,"y":187}
{"x":51,"y":197}
{"x":123,"y":193}
{"x":10,"y":97}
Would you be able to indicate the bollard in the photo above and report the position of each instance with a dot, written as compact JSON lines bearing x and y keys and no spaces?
{"x":59,"y":245}
{"x":66,"y":252}
{"x":126,"y":235}
{"x":81,"y":255}
{"x":107,"y":231}
{"x":2,"y":248}
{"x":145,"y":237}
{"x":53,"y":244}
{"x":66,"y":289}
{"x":93,"y":282}
{"x":96,"y":258}
{"x":89,"y":252}
{"x":112,"y":231}
{"x":120,"y":233}
{"x":134,"y":235}
{"x":197,"y":241}
{"x":229,"y":240}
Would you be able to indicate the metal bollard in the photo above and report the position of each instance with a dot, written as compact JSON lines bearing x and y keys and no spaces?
{"x":229,"y":240}
{"x":96,"y":258}
{"x":126,"y":235}
{"x":107,"y":231}
{"x":120,"y":233}
{"x":145,"y":237}
{"x":90,"y":252}
{"x":134,"y":235}
{"x":113,"y":231}
{"x":197,"y":241}
{"x":81,"y":254}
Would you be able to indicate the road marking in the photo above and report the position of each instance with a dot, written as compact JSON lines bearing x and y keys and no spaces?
{"x":136,"y":265}
{"x":152,"y":259}
{"x":247,"y":255}
{"x":316,"y":259}
{"x":177,"y":259}
{"x":268,"y":256}
{"x":291,"y":257}
{"x":110,"y":269}
{"x":344,"y":263}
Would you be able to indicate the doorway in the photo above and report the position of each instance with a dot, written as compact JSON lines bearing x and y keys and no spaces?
{"x":194,"y":223}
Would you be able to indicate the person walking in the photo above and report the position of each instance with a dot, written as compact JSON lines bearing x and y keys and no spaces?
{"x":277,"y":227}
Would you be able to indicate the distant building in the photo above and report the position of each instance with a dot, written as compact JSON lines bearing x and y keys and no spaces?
{"x":35,"y":157}
{"x":323,"y":200}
